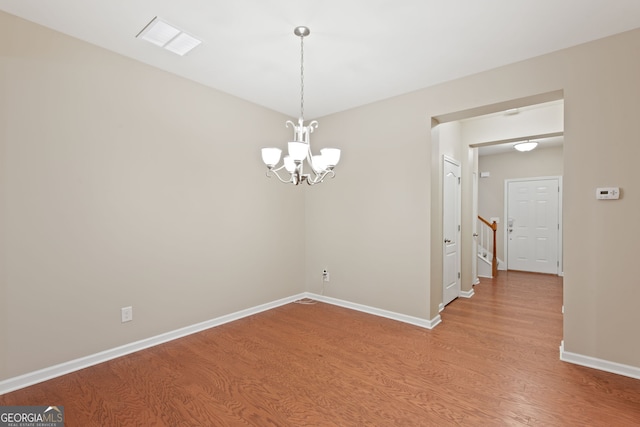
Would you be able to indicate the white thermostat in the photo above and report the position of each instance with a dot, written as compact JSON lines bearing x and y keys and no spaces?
{"x":608,"y":193}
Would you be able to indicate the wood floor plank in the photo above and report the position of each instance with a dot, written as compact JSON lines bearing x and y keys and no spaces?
{"x":494,"y":361}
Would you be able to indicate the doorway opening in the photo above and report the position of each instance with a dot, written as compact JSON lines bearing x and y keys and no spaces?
{"x":484,"y":147}
{"x":499,"y":163}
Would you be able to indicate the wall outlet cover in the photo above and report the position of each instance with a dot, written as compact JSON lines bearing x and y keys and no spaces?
{"x":126,"y":314}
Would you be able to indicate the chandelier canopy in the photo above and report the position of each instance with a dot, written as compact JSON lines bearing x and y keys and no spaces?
{"x":320,"y":165}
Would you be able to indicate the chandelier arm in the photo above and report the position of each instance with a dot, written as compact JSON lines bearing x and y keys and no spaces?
{"x":320,"y":177}
{"x":313,"y":181}
{"x":272,"y":172}
{"x":309,"y":130}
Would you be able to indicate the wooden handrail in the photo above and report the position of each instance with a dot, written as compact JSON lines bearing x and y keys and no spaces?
{"x":494,"y":261}
{"x":493,"y":224}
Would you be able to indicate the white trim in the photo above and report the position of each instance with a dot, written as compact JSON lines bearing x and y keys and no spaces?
{"x":45,"y":374}
{"x":51,"y":372}
{"x":600,"y":364}
{"x":440,"y":307}
{"x":561,"y":227}
{"x":423,"y":323}
{"x":467,"y":294}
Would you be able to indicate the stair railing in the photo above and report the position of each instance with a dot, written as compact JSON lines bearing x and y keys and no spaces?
{"x":487,"y":243}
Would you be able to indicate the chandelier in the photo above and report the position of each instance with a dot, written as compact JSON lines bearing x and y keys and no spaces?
{"x":320,"y":165}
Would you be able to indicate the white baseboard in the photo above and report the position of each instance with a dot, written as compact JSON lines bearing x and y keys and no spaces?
{"x":467,"y":294}
{"x":600,"y":364}
{"x":51,"y":372}
{"x":45,"y":374}
{"x":423,"y":323}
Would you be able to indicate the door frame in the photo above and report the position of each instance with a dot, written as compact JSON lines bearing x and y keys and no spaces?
{"x":505,"y":234}
{"x":474,"y":229}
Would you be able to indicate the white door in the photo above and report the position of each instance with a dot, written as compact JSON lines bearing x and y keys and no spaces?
{"x":533,"y":223}
{"x":451,"y":214}
{"x":474,"y":230}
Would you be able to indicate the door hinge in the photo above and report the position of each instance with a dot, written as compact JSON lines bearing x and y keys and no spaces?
{"x":458,"y":274}
{"x":558,"y":226}
{"x":458,"y":180}
{"x":458,"y":227}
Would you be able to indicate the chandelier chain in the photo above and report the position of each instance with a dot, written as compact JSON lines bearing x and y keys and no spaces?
{"x":302,"y":77}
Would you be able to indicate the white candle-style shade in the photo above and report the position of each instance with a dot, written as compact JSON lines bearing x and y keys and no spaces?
{"x":289,"y":165}
{"x":271,"y":156}
{"x":319,"y":163}
{"x":298,"y":150}
{"x":331,"y":156}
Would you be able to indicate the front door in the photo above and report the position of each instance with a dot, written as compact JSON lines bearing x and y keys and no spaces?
{"x":533,"y":225}
{"x":451,"y":215}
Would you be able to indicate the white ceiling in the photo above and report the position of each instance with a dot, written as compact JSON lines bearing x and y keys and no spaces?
{"x":359,"y":51}
{"x":490,"y":150}
{"x":503,"y":126}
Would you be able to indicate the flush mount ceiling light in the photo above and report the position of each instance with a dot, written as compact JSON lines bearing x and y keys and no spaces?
{"x":169,"y":37}
{"x":300,"y":148}
{"x":525,"y":146}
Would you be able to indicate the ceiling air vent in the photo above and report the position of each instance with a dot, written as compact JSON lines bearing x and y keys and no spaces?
{"x":167,"y":36}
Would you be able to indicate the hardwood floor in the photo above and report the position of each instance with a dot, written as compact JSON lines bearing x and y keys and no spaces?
{"x":494,"y":361}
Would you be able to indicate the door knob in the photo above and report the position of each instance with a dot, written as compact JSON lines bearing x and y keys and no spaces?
{"x":475,"y":234}
{"x":447,"y":241}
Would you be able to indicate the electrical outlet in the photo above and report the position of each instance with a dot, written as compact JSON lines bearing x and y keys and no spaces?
{"x":325,"y":276}
{"x":127,"y":314}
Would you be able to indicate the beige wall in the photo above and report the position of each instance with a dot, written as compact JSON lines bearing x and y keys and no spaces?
{"x":124,"y":185}
{"x":378,"y":225}
{"x":370,"y":225}
{"x":512,"y":165}
{"x":113,"y":192}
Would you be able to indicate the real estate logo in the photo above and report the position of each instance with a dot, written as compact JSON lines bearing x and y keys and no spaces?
{"x":31,"y":416}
